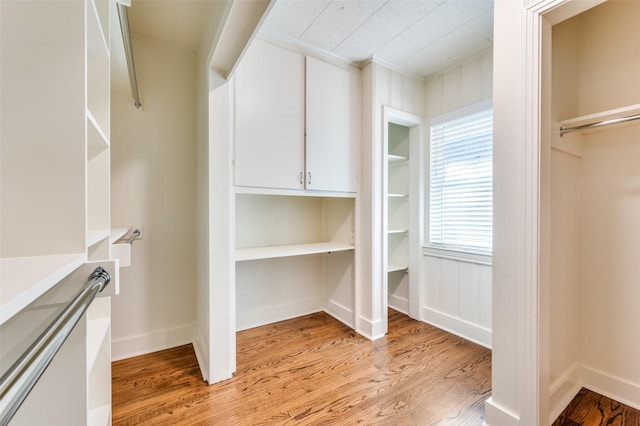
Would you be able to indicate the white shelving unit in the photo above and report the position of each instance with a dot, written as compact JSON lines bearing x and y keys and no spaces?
{"x":294,"y":256}
{"x":397,"y":219}
{"x":55,"y":205}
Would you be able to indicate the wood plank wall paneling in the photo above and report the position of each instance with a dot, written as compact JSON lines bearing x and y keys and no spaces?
{"x":314,"y":370}
{"x":457,"y":293}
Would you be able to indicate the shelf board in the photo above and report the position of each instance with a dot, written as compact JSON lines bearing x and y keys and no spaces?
{"x":390,"y":195}
{"x":97,"y":139}
{"x":95,"y":236}
{"x":97,"y":330}
{"x":292,"y":192}
{"x":271,"y":252}
{"x":611,"y":114}
{"x":396,"y":158}
{"x":117,"y":233}
{"x":24,"y":279}
{"x":396,"y":268}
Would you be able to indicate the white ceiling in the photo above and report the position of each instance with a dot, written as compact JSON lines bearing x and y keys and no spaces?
{"x":177,"y":22}
{"x":420,"y":37}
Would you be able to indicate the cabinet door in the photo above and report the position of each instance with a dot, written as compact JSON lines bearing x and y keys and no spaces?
{"x":333,"y":127}
{"x":269,"y":148}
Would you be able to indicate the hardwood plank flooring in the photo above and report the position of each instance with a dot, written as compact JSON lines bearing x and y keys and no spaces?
{"x":313,"y":370}
{"x":591,"y":409}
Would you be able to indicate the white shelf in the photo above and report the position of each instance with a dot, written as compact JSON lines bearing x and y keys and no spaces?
{"x":271,"y":252}
{"x":99,"y":416}
{"x":396,"y":268}
{"x":611,"y":114}
{"x":291,"y":192}
{"x":396,"y":158}
{"x":96,"y":333}
{"x":97,"y":139}
{"x":117,"y":233}
{"x":95,"y":236}
{"x":24,"y":279}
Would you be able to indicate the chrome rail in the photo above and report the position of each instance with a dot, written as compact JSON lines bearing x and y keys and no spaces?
{"x":22,"y":376}
{"x":128,"y":52}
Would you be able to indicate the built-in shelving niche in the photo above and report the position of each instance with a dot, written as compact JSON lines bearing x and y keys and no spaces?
{"x":294,"y":256}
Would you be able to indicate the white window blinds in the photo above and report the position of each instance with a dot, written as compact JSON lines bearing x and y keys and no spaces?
{"x":461,"y":183}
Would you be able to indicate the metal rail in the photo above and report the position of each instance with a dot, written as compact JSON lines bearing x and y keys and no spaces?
{"x":18,"y":381}
{"x":565,"y":130}
{"x":128,"y":52}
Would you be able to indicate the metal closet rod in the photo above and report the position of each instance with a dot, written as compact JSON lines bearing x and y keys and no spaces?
{"x":565,"y":130}
{"x":128,"y":52}
{"x":22,"y":376}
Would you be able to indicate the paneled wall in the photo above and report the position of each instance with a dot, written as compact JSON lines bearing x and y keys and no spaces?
{"x":457,"y":293}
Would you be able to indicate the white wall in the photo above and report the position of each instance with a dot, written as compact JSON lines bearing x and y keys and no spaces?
{"x":457,"y":293}
{"x":153,"y":187}
{"x":380,"y":86}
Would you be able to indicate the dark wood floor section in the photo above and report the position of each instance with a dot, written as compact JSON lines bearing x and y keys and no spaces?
{"x":314,"y":370}
{"x":591,"y":409}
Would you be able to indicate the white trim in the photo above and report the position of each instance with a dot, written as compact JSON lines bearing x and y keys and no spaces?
{"x":496,"y":415}
{"x":461,"y":112}
{"x":400,"y":304}
{"x":480,"y":259}
{"x":339,"y":312}
{"x":372,"y":330}
{"x":271,"y":314}
{"x":472,"y":332}
{"x":145,"y":343}
{"x":563,"y":390}
{"x":613,"y":387}
{"x":199,"y":348}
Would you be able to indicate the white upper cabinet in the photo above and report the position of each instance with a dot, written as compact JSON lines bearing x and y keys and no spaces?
{"x":269,"y":149}
{"x":277,"y":100}
{"x":332,"y":127}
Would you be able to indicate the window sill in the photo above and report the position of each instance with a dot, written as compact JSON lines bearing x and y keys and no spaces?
{"x":480,"y":259}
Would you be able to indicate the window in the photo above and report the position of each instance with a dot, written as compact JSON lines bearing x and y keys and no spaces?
{"x":461,"y":180}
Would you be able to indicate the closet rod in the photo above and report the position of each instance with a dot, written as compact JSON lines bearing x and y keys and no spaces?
{"x":565,"y":130}
{"x":128,"y":51}
{"x":22,"y":376}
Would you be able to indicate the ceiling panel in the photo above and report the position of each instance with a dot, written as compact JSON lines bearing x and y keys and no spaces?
{"x":419,"y":36}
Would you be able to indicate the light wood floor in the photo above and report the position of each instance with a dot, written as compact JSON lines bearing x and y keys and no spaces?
{"x":314,"y":370}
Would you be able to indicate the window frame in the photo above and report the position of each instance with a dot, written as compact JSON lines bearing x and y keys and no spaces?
{"x":474,"y":256}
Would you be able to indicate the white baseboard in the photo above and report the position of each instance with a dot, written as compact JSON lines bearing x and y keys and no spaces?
{"x":563,"y":390}
{"x":400,"y":304}
{"x":199,"y":347}
{"x":339,"y":312}
{"x":372,"y":330}
{"x":611,"y":386}
{"x":498,"y":416}
{"x":464,"y":329}
{"x":127,"y":347}
{"x":251,"y":319}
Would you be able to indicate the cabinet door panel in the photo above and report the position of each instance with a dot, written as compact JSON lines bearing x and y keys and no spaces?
{"x":333,"y":127}
{"x":269,"y":147}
